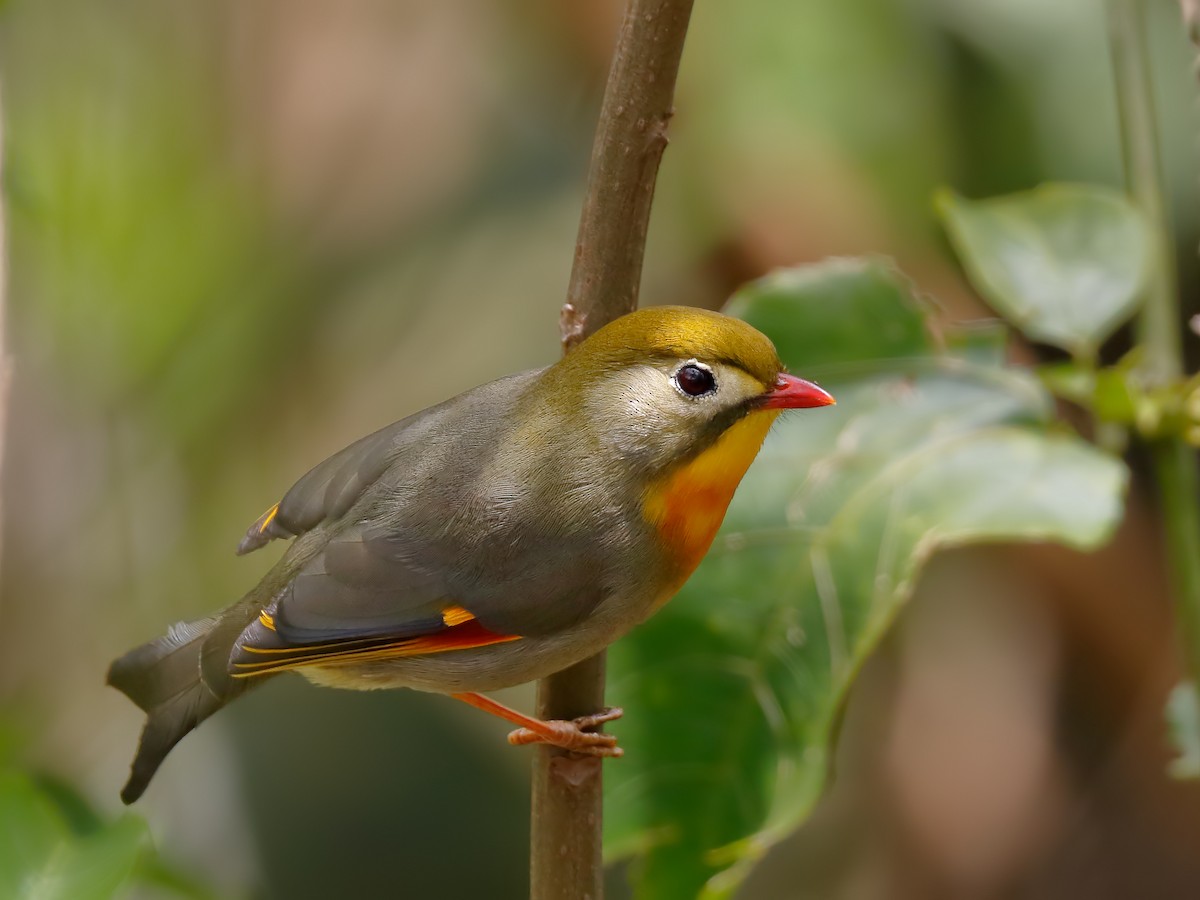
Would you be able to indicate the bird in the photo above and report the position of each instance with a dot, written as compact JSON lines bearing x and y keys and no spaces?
{"x":493,"y":539}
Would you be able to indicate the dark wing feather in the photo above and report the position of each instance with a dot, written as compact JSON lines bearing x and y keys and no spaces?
{"x":352,"y":590}
{"x":350,"y":606}
{"x":362,"y":598}
{"x":355,"y":601}
{"x":328,"y":490}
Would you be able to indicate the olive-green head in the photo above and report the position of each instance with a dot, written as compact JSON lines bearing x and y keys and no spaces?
{"x":661,"y":384}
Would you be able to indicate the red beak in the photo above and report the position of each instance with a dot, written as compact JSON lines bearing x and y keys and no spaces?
{"x":795,"y":393}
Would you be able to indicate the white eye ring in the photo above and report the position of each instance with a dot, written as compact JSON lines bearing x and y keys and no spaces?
{"x":694,"y":380}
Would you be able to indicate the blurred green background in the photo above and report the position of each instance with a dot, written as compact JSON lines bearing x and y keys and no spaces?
{"x":243,"y":234}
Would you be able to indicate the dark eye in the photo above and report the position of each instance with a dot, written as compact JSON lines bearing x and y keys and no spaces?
{"x":695,"y":381}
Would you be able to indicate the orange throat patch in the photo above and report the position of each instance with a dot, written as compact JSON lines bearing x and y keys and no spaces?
{"x":689,"y":504}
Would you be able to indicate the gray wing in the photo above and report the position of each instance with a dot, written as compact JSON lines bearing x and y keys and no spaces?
{"x":328,"y":491}
{"x":378,"y":582}
{"x":413,"y":535}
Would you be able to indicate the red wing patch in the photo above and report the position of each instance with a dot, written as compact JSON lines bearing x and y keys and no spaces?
{"x":460,"y":632}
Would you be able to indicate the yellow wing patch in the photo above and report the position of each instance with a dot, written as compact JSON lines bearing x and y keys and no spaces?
{"x":455,"y":615}
{"x":267,"y":518}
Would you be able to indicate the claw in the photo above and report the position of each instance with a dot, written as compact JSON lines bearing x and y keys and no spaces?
{"x":574,"y":735}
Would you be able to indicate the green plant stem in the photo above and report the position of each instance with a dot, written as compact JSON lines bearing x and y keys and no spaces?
{"x":1159,"y":330}
{"x":1175,"y":470}
{"x":1158,"y":323}
{"x":567,"y":809}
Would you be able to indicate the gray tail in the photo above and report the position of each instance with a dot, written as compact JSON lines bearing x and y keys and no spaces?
{"x":179,"y":680}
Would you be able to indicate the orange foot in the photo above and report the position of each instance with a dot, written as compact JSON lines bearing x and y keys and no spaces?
{"x":573,"y":734}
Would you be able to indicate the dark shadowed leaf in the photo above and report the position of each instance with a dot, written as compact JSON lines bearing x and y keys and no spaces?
{"x":738,"y":683}
{"x":1064,"y":263}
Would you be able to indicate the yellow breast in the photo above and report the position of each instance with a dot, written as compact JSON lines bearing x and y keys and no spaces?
{"x":688,"y":505}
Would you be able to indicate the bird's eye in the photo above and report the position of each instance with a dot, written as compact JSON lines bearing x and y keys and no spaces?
{"x":695,"y":381}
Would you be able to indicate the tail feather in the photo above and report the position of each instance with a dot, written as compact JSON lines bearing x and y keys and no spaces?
{"x":159,"y":670}
{"x":179,"y":680}
{"x":165,"y":727}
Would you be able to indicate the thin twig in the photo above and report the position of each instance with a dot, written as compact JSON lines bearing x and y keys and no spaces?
{"x":565,"y":851}
{"x":1160,"y":331}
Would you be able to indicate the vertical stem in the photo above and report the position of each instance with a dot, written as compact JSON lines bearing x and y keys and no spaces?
{"x":1175,"y":470}
{"x":565,"y":851}
{"x":1159,"y":328}
{"x":5,"y":362}
{"x":1158,"y":324}
{"x":630,"y":139}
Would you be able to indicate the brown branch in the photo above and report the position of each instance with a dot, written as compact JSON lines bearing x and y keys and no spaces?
{"x":1191,"y":19}
{"x":5,"y":362}
{"x":565,"y":851}
{"x":630,"y":139}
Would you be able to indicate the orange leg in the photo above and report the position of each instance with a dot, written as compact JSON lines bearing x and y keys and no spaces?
{"x":574,"y":735}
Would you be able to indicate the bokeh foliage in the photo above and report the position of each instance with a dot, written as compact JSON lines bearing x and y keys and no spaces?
{"x":189,"y":340}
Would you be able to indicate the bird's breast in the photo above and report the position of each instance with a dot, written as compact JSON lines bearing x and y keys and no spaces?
{"x":689,"y":503}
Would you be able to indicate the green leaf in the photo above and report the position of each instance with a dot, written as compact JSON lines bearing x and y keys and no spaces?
{"x":984,"y":342}
{"x":739,"y":682}
{"x":95,"y":867}
{"x":1183,"y":720}
{"x":40,"y":859}
{"x":30,"y":830}
{"x":1072,"y":381}
{"x":1064,"y":263}
{"x":1117,"y":395}
{"x":79,"y":815}
{"x":856,"y":310}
